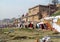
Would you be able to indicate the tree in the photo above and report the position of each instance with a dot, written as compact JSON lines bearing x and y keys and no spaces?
{"x":55,"y":2}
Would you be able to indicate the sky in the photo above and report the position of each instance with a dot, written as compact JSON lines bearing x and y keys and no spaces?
{"x":15,"y":8}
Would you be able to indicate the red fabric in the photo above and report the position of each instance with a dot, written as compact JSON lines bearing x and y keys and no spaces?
{"x":30,"y":25}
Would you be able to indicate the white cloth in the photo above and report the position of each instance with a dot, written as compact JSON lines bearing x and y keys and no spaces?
{"x":57,"y":27}
{"x":45,"y":38}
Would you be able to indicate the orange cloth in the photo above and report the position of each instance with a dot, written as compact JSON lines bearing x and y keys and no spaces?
{"x":49,"y":26}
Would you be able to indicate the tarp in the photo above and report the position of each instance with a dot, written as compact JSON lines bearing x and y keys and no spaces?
{"x":57,"y":27}
{"x":48,"y":18}
{"x":55,"y":19}
{"x":57,"y":16}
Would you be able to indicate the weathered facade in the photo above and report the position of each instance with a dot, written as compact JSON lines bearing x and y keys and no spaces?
{"x":38,"y":12}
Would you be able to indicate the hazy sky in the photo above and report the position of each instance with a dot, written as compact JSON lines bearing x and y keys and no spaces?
{"x":15,"y":8}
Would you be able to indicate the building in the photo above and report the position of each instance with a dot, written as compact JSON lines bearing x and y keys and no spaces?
{"x":38,"y":12}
